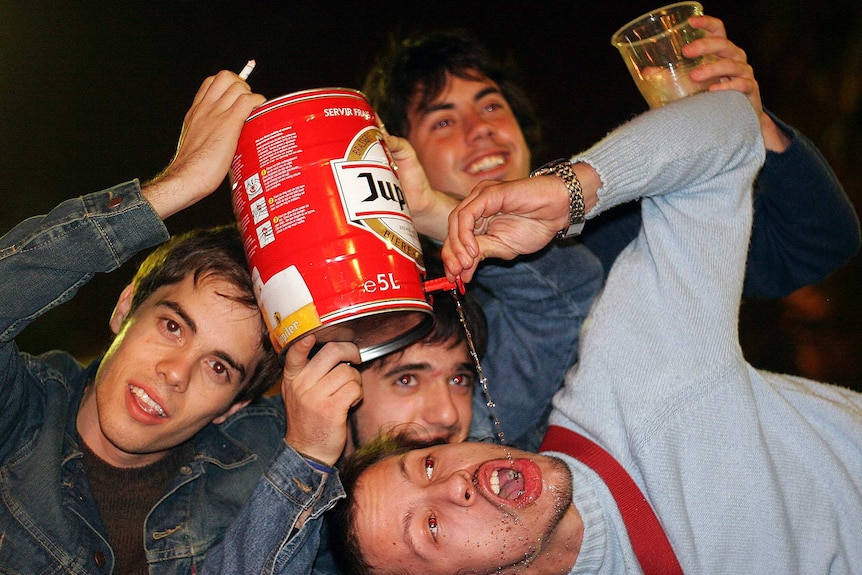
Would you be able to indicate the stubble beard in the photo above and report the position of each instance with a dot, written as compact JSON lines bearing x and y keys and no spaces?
{"x":562,"y":497}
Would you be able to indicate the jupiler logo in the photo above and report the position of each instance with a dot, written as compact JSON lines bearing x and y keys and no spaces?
{"x":371,"y":194}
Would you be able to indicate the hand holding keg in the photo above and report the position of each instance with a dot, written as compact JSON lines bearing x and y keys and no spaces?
{"x":429,"y":208}
{"x":318,"y":392}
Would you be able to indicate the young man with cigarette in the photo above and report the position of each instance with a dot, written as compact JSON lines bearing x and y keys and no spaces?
{"x":138,"y":462}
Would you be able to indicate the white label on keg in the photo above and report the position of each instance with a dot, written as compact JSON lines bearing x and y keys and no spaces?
{"x":372,"y":197}
{"x":369,"y":190}
{"x":286,"y":304}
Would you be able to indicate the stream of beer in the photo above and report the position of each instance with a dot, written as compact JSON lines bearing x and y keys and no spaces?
{"x":483,"y":381}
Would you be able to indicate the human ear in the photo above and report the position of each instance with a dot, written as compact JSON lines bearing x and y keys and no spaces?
{"x":121,"y":310}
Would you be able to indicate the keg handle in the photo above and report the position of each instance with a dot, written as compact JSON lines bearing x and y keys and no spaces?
{"x":442,"y":284}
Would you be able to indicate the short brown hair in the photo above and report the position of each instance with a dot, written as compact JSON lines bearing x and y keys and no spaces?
{"x":447,"y":319}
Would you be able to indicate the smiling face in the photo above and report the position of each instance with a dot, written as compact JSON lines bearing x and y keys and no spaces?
{"x":467,"y":507}
{"x":425,"y":390}
{"x":176,"y":364}
{"x":468,"y":134}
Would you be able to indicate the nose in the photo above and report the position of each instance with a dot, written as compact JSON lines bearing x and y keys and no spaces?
{"x":456,"y":489}
{"x":174,"y":370}
{"x":439,"y":409}
{"x":478,"y":128}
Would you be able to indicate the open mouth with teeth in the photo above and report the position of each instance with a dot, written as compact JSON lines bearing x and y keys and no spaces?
{"x":146,"y":403}
{"x":486,"y":163}
{"x":516,"y":483}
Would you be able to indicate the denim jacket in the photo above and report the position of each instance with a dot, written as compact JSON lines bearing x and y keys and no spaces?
{"x":535,"y":307}
{"x":49,"y":522}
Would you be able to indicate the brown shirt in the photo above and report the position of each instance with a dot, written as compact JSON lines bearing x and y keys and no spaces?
{"x":125,"y":496}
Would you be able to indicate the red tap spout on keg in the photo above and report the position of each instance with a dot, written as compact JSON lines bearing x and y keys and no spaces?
{"x":442,"y":284}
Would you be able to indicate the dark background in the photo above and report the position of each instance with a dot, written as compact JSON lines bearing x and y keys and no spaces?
{"x":94,"y":93}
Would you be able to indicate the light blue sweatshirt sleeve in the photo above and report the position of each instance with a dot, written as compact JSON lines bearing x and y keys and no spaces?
{"x":748,"y":471}
{"x":710,"y":148}
{"x":790,"y":246}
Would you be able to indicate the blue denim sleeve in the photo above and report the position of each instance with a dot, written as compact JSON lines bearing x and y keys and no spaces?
{"x":535,"y":306}
{"x":804,"y":223}
{"x":607,"y":234}
{"x":262,"y":538}
{"x":45,"y":259}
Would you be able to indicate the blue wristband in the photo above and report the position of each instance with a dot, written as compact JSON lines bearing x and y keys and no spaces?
{"x":317,"y":465}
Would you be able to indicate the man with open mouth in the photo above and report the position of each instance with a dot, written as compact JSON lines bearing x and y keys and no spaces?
{"x":454,"y":502}
{"x":468,"y":122}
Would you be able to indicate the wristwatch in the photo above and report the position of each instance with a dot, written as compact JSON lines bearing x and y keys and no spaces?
{"x":563,"y":169}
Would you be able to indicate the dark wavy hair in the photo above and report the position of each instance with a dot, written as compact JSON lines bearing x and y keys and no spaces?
{"x":202,"y":253}
{"x":419,"y":65}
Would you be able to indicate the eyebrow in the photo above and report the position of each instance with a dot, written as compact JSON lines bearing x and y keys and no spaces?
{"x":407,"y":520}
{"x":180,"y":311}
{"x":468,"y":366}
{"x":402,"y":367}
{"x":222,"y":355}
{"x":449,"y":105}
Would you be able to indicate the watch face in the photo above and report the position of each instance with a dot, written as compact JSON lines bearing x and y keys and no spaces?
{"x":571,"y":231}
{"x":549,"y":168}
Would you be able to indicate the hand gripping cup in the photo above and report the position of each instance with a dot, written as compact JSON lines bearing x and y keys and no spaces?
{"x":329,"y":240}
{"x":651,"y":46}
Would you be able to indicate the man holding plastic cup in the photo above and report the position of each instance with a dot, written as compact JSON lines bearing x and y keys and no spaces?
{"x":675,"y":51}
{"x":653,"y":48}
{"x":472,"y":123}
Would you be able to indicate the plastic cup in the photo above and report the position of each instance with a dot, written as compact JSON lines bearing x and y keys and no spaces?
{"x":651,"y":46}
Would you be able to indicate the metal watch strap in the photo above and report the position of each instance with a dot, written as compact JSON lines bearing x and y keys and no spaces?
{"x":563,"y":169}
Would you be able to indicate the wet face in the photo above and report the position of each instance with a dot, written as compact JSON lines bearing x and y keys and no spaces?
{"x":175,"y":365}
{"x":425,"y":390}
{"x":468,"y":134}
{"x":467,"y":507}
